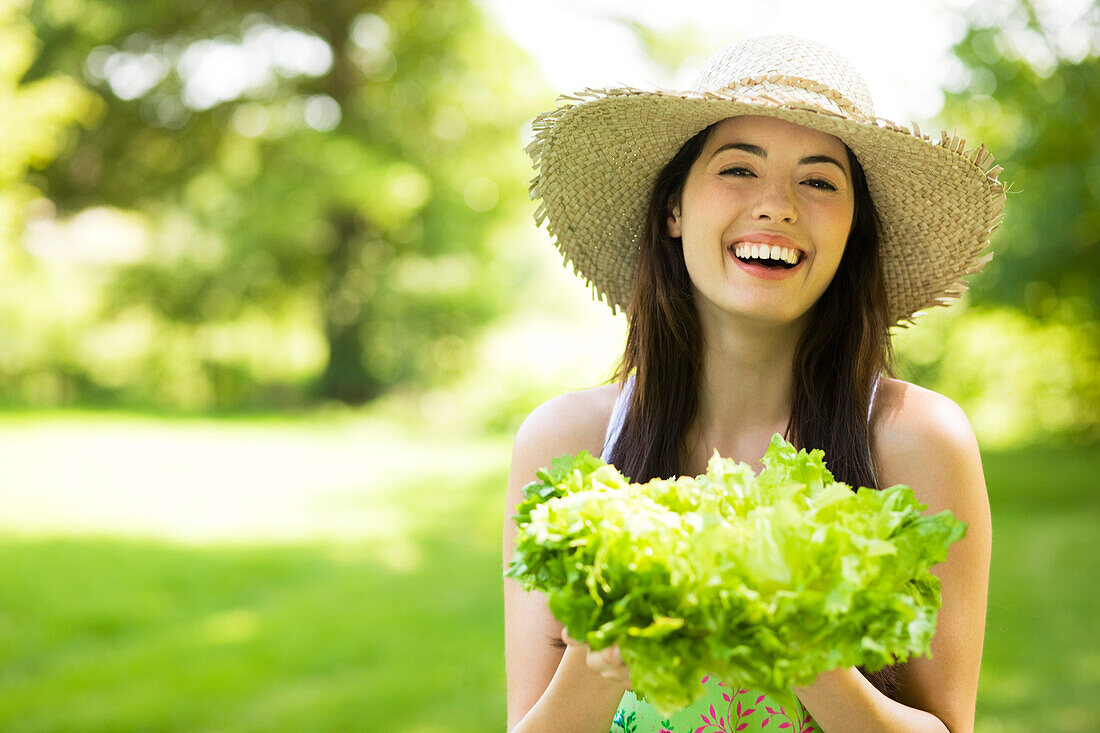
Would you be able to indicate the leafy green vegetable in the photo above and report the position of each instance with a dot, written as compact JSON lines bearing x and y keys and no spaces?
{"x":765,"y":580}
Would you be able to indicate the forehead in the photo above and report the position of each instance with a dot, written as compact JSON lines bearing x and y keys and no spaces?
{"x":772,"y":134}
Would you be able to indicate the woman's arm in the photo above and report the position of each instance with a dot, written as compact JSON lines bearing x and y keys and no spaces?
{"x":924,"y":440}
{"x":551,"y":687}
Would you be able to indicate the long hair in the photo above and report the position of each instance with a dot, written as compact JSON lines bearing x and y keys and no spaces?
{"x":842,"y":351}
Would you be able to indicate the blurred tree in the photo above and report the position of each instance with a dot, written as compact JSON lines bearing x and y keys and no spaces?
{"x":1024,"y":359}
{"x":36,"y":116}
{"x":1031,"y":93}
{"x":346,"y":158}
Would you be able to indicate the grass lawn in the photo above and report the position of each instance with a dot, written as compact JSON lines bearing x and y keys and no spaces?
{"x":138,"y":636}
{"x":1041,"y":666}
{"x":370,"y":600}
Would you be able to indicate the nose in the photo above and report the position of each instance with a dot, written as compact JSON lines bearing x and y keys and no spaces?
{"x":775,"y":202}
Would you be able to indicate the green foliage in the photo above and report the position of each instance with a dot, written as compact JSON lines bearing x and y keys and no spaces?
{"x":1031,"y":105}
{"x":1022,"y":359}
{"x":764,"y":580}
{"x":37,"y":114}
{"x":345,"y":163}
{"x":1019,"y":378}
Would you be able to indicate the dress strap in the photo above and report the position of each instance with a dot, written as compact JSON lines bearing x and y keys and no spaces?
{"x":618,"y":414}
{"x":871,"y":402}
{"x":870,"y":409}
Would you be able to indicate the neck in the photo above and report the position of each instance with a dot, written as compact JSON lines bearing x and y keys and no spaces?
{"x":745,"y":387}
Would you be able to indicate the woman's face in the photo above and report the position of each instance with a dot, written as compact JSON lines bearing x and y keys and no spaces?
{"x":762,"y":194}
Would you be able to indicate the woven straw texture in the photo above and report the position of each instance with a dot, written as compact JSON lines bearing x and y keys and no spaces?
{"x":598,"y":153}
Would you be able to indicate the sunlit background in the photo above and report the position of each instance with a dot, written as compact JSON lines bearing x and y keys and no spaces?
{"x":273,"y":305}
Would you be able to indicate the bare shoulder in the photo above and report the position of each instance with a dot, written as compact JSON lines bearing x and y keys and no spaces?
{"x":566,"y":424}
{"x":905,"y":413}
{"x":923,"y":439}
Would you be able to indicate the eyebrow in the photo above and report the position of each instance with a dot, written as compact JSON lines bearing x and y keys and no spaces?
{"x":759,"y":151}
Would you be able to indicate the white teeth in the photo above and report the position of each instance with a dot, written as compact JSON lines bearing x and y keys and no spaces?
{"x":749,"y":250}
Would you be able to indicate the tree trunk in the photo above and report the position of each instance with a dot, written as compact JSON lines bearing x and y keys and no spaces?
{"x":346,"y":377}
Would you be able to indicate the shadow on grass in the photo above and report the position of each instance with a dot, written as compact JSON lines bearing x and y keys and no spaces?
{"x":106,"y":634}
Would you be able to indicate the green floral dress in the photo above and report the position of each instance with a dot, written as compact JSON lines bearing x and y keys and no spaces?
{"x":724,"y":708}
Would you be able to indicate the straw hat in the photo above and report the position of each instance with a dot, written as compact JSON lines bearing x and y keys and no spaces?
{"x":598,"y":154}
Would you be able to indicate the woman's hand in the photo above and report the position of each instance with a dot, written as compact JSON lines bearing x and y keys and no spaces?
{"x":607,"y":662}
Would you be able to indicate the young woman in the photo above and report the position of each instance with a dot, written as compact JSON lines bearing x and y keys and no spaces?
{"x":763,"y":231}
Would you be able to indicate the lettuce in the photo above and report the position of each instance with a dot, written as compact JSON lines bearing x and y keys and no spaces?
{"x":764,"y":580}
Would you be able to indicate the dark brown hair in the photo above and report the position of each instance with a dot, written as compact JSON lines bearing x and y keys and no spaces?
{"x":840,"y":354}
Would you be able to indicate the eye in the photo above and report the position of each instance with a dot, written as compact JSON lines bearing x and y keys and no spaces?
{"x":820,"y":183}
{"x":736,"y":171}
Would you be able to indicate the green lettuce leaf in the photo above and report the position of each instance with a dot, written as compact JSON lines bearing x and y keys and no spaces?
{"x":762,"y":580}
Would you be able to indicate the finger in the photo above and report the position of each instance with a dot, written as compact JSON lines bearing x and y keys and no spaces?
{"x":618,"y":677}
{"x":598,"y":663}
{"x":619,"y":674}
{"x":608,"y":661}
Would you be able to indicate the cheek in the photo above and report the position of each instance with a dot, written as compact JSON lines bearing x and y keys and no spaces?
{"x":840,"y":238}
{"x":701,"y":242}
{"x":836,"y":225}
{"x":704,"y":210}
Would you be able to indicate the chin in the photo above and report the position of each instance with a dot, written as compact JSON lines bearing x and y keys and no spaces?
{"x":766,"y":314}
{"x":778,"y":319}
{"x":775,"y":311}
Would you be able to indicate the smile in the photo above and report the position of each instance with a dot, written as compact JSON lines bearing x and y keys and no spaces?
{"x":767,"y":255}
{"x":767,"y":261}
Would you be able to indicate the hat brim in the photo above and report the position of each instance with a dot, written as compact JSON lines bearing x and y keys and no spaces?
{"x":598,"y":155}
